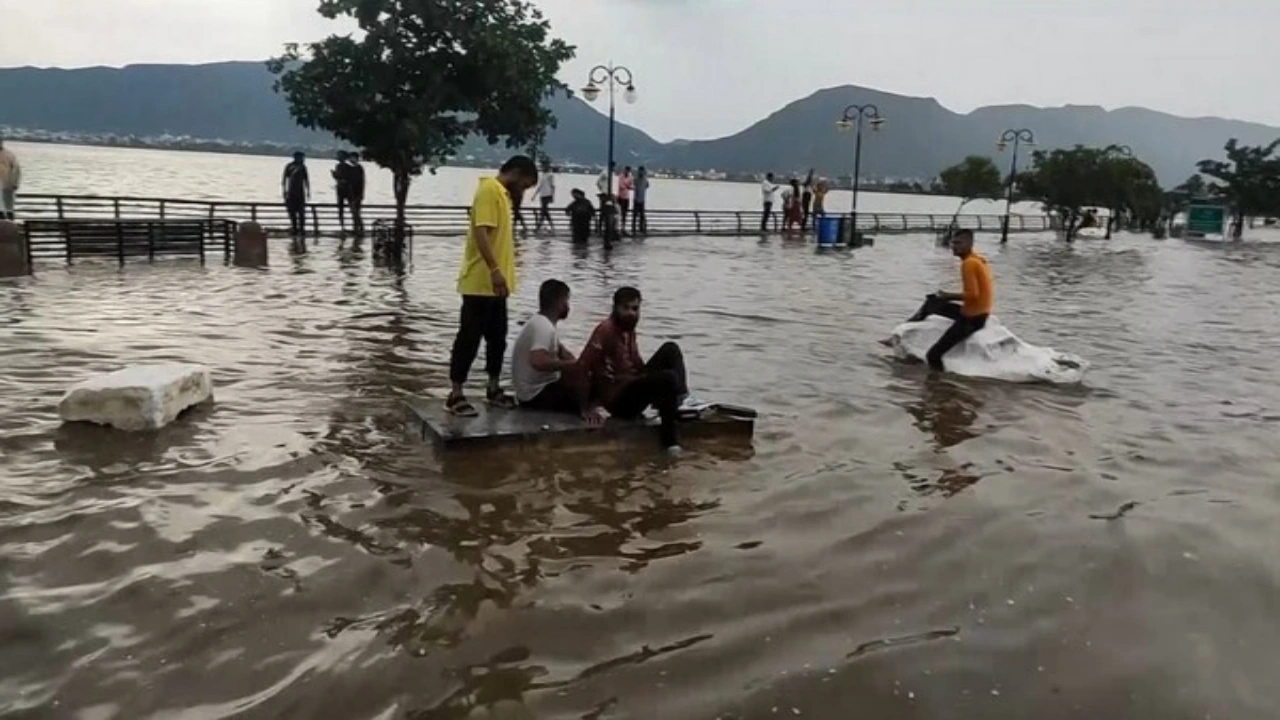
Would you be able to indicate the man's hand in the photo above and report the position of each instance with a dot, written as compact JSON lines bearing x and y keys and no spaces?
{"x":595,"y":416}
{"x":499,"y":283}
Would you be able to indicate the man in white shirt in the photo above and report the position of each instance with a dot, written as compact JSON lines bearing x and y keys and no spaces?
{"x":544,"y":374}
{"x":546,"y":197}
{"x":768,"y":189}
{"x":10,"y":179}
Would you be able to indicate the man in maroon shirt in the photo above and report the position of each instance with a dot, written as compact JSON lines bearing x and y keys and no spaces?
{"x":624,"y":383}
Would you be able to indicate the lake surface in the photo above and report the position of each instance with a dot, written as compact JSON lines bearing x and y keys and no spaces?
{"x":81,"y":170}
{"x":894,"y":547}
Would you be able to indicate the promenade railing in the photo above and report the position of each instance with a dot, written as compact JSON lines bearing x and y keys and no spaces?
{"x":440,"y":220}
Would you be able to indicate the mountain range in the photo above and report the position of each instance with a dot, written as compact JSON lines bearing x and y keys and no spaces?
{"x":235,"y":101}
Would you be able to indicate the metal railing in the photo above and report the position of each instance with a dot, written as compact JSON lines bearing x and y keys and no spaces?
{"x":438,"y":220}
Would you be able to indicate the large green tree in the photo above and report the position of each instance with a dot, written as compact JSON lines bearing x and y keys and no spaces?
{"x":974,"y":177}
{"x":421,"y":76}
{"x":1068,"y":181}
{"x":1248,"y":181}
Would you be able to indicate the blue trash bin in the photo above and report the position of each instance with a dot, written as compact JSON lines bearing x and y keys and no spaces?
{"x":828,"y":230}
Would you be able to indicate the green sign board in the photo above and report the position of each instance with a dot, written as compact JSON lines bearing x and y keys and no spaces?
{"x":1206,"y":219}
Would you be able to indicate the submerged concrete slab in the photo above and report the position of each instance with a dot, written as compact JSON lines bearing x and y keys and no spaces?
{"x":140,"y":397}
{"x":521,"y":427}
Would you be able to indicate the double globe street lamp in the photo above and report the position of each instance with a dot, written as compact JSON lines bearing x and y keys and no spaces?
{"x":614,"y":76}
{"x":853,"y":117}
{"x":1017,"y":138}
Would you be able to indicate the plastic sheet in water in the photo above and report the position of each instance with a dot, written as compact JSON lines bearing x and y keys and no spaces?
{"x":992,"y":352}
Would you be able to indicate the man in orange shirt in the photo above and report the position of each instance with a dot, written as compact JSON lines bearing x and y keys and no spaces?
{"x":969,"y":308}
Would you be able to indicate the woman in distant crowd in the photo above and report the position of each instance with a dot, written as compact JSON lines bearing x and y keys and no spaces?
{"x":791,"y":214}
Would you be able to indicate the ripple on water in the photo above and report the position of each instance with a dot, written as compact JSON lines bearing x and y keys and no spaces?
{"x":895,"y":546}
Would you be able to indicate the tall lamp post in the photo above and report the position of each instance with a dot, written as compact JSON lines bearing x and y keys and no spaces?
{"x":1017,"y":138}
{"x":850,"y":119}
{"x":613,"y":76}
{"x":1126,"y":152}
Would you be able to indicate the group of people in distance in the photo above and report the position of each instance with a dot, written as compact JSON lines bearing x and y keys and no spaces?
{"x":349,"y":180}
{"x":799,"y":201}
{"x":621,"y":199}
{"x":609,"y":376}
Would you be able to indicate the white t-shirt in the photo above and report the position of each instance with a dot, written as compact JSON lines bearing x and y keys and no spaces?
{"x":767,"y":191}
{"x":538,"y":334}
{"x":547,"y":186}
{"x":602,"y":184}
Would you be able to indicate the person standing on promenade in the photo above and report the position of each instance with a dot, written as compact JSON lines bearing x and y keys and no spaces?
{"x":806,"y":201}
{"x":640,"y":221}
{"x":10,"y":181}
{"x":355,"y":192}
{"x":820,"y":190}
{"x":768,"y":190}
{"x":296,"y":187}
{"x":625,"y":185}
{"x":341,"y":183}
{"x":546,"y":197}
{"x":485,"y":280}
{"x":604,"y":192}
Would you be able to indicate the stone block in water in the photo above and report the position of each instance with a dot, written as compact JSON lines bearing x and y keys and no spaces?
{"x":13,"y":250}
{"x":992,"y":352}
{"x":140,"y":397}
{"x":251,"y":246}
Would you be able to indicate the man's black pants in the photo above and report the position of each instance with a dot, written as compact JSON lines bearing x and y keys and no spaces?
{"x":483,"y":316}
{"x":768,"y":215}
{"x":959,"y":331}
{"x":661,"y":386}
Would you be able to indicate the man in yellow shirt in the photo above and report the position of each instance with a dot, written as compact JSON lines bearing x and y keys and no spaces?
{"x":969,"y":308}
{"x":486,"y":279}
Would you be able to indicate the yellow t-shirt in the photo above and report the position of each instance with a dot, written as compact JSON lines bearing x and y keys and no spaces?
{"x":491,"y":209}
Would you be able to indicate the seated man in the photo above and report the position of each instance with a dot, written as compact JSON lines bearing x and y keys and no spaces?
{"x":545,"y":375}
{"x":970,"y":308}
{"x":623,"y":382}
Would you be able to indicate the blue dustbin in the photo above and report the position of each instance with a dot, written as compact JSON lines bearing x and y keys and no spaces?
{"x":828,"y":230}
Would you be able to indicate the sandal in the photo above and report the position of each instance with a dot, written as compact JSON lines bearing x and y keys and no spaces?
{"x":459,"y":406}
{"x":500,"y":400}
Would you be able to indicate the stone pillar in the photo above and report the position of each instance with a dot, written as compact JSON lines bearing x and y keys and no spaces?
{"x":13,"y":250}
{"x":251,"y":245}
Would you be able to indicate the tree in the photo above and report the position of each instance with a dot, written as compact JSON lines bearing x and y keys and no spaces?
{"x":1068,"y":181}
{"x":1248,"y":181}
{"x":974,"y":177}
{"x":1129,"y":188}
{"x":422,"y":76}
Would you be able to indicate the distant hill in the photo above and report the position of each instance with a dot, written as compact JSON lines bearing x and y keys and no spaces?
{"x":235,"y":102}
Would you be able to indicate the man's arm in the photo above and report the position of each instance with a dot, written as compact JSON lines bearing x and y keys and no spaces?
{"x":306,"y":182}
{"x":969,"y":286}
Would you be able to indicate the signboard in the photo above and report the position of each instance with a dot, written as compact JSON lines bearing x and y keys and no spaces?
{"x":1206,"y":219}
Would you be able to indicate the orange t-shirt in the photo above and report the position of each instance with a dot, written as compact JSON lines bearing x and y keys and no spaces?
{"x":979,"y":294}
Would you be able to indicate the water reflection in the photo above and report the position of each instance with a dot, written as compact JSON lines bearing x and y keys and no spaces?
{"x":947,"y":410}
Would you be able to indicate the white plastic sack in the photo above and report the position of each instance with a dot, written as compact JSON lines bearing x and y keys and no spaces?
{"x":992,"y":352}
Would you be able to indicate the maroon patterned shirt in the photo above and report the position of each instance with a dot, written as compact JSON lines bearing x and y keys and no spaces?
{"x":611,"y":360}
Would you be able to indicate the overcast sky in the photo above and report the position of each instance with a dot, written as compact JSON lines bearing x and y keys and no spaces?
{"x":707,"y":68}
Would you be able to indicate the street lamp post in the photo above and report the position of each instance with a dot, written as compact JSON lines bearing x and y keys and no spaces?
{"x":1017,"y":138}
{"x":613,"y":75}
{"x":1126,"y":152}
{"x":850,"y":119}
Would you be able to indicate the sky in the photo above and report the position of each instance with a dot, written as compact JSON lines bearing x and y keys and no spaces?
{"x":708,"y":68}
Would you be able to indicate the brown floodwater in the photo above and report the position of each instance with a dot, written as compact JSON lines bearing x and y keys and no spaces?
{"x":892,"y":547}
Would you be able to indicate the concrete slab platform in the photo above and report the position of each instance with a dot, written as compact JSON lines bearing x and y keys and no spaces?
{"x":497,"y":427}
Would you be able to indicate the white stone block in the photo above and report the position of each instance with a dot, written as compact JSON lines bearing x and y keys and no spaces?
{"x":140,"y":397}
{"x":992,"y":352}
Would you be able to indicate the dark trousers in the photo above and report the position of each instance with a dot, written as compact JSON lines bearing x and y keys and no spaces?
{"x":566,"y":395}
{"x":639,"y":220}
{"x":960,"y":329}
{"x":624,"y":208}
{"x":484,"y":317}
{"x":806,"y":205}
{"x":357,"y":214}
{"x":581,"y":230}
{"x":297,"y":208}
{"x":544,"y":214}
{"x":661,"y":386}
{"x":768,"y":215}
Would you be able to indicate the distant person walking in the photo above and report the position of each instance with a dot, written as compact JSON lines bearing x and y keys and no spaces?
{"x":639,"y":220}
{"x":485,"y":280}
{"x":546,"y":198}
{"x":768,"y":191}
{"x":355,"y":192}
{"x":806,"y":201}
{"x":341,"y":183}
{"x":10,"y":181}
{"x":626,"y":185}
{"x":296,"y":187}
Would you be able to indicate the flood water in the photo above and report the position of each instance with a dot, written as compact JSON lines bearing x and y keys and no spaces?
{"x":894,"y":547}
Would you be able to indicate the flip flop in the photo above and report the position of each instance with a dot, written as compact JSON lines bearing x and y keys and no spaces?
{"x":501,"y":400}
{"x":460,"y":407}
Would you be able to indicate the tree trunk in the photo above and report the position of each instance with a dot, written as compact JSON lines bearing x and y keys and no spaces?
{"x":402,"y":182}
{"x":1237,"y":226}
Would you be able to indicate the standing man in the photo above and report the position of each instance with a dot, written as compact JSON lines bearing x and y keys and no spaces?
{"x":341,"y":182}
{"x":10,"y":180}
{"x":604,"y":190}
{"x":768,"y":189}
{"x":296,"y":188}
{"x":625,"y":185}
{"x":969,"y":308}
{"x":485,"y":280}
{"x":639,"y":221}
{"x":355,"y":192}
{"x":623,"y":382}
{"x":806,"y":201}
{"x":546,"y":198}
